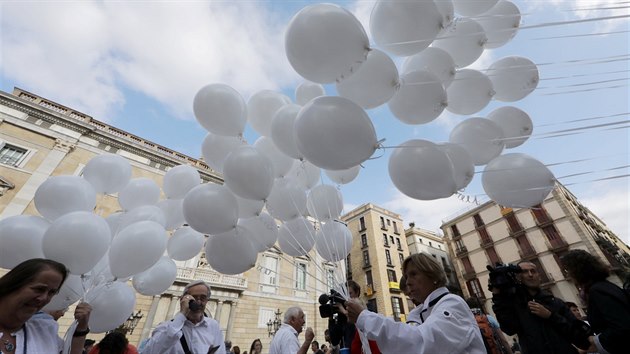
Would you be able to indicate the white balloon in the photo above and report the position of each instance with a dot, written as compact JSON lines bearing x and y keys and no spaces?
{"x":282,"y":130}
{"x":463,"y":166}
{"x":107,"y":173}
{"x":114,"y":220}
{"x":264,"y":231}
{"x":306,"y":91}
{"x":420,"y":99}
{"x":210,"y":209}
{"x":220,"y":109}
{"x":464,"y":40}
{"x":516,"y":125}
{"x":21,"y":239}
{"x":434,"y":60}
{"x":325,"y":43}
{"x":469,"y":92}
{"x":517,"y":181}
{"x":513,"y":78}
{"x":344,"y":176}
{"x":112,"y":303}
{"x":136,"y":248}
{"x":231,"y":252}
{"x":184,"y":244}
{"x":248,"y":208}
{"x":173,"y":213}
{"x":101,"y":274}
{"x":373,"y":84}
{"x":325,"y":202}
{"x":334,"y":133}
{"x":304,"y":174}
{"x":179,"y":180}
{"x":249,"y":173}
{"x":404,"y":27}
{"x":447,"y":10}
{"x":69,"y":293}
{"x":216,"y":148}
{"x":474,"y":7}
{"x":262,"y":106}
{"x":78,"y":240}
{"x":287,"y":200}
{"x":481,"y":137}
{"x":333,"y":241}
{"x":296,"y":237}
{"x":500,"y":23}
{"x":143,"y":213}
{"x":420,"y":170}
{"x":281,"y":163}
{"x":59,"y":195}
{"x":156,"y":279}
{"x":138,"y":192}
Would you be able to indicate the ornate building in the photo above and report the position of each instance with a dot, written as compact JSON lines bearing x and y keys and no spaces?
{"x":40,"y":138}
{"x":491,"y":234}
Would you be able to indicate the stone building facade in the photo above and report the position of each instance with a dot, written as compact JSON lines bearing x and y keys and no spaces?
{"x":40,"y":138}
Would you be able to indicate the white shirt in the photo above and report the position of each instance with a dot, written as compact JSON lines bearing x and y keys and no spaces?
{"x":413,"y":318}
{"x":41,"y":336}
{"x":446,"y":326}
{"x":199,"y":337}
{"x":285,"y":341}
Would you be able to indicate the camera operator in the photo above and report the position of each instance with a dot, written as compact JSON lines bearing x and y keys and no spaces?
{"x":544,"y":324}
{"x":190,"y":331}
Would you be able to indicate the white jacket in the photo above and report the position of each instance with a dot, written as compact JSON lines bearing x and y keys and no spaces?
{"x":447,"y":327}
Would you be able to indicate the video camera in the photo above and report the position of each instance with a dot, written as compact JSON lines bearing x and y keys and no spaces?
{"x":503,"y":277}
{"x":337,"y":321}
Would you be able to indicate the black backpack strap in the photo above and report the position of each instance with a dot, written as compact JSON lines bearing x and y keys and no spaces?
{"x":182,"y":340}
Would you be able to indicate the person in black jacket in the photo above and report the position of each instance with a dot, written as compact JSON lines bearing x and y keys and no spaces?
{"x":608,"y":304}
{"x":544,"y":324}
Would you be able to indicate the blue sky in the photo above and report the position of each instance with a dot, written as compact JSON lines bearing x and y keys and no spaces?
{"x":137,"y":65}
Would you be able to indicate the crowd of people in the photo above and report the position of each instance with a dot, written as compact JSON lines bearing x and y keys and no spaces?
{"x":441,"y":322}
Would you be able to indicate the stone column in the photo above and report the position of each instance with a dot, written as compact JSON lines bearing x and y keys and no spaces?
{"x":217,"y":312}
{"x":230,"y":324}
{"x":146,"y":330}
{"x":25,"y":195}
{"x":171,"y":307}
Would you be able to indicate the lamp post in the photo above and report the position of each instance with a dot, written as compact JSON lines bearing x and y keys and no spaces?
{"x":130,"y":324}
{"x":273,"y":326}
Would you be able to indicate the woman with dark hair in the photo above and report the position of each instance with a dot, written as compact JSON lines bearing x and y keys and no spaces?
{"x":114,"y":343}
{"x":256,"y":347}
{"x":608,"y":304}
{"x":24,"y":291}
{"x":446,"y":324}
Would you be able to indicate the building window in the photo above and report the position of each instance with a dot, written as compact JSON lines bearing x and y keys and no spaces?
{"x":455,"y":230}
{"x":388,"y":257}
{"x":468,"y":268}
{"x":551,"y":233}
{"x":478,"y":220}
{"x":371,"y":305}
{"x":330,"y":278}
{"x":385,"y":240}
{"x":391,"y":238}
{"x":361,"y":223}
{"x":395,"y":227}
{"x":391,"y":275}
{"x":366,"y":258}
{"x":492,"y":255}
{"x":348,"y":268}
{"x":430,"y":244}
{"x":269,"y":274}
{"x":540,"y":214}
{"x":397,"y":308}
{"x":300,"y":276}
{"x":389,"y":223}
{"x":12,"y":155}
{"x":382,"y":223}
{"x":401,"y":257}
{"x":513,"y":223}
{"x":474,"y":287}
{"x":398,"y":244}
{"x":368,"y":279}
{"x":363,"y":240}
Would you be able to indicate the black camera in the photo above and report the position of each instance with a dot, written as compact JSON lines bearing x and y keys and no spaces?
{"x":194,"y":306}
{"x":503,"y":277}
{"x":337,"y":321}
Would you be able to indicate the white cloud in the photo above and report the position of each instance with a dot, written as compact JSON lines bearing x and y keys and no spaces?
{"x":584,"y":9}
{"x":86,"y":54}
{"x":611,"y":203}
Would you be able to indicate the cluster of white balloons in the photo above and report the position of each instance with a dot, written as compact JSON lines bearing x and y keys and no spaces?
{"x":326,"y":44}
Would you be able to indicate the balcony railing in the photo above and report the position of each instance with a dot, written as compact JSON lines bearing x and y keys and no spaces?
{"x":461,"y":250}
{"x":212,"y":277}
{"x":486,"y":241}
{"x":469,"y":274}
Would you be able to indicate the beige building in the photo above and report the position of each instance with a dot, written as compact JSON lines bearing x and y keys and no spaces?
{"x":375,"y":261}
{"x":40,"y":138}
{"x":490,"y":233}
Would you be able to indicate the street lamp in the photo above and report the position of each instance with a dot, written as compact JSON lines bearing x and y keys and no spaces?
{"x":130,"y":324}
{"x":273,"y":326}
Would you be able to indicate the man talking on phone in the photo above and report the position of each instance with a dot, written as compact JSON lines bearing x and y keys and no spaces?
{"x":190,"y":331}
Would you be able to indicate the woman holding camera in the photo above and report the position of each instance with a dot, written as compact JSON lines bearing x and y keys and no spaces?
{"x":446,"y":323}
{"x":608,"y":304}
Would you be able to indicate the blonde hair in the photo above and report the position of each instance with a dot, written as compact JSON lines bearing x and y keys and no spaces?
{"x":427,"y":265}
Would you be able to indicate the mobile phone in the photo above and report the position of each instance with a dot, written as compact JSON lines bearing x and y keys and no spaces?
{"x":194,"y":306}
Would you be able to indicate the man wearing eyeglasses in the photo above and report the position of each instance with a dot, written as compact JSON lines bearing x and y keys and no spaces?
{"x":190,"y":331}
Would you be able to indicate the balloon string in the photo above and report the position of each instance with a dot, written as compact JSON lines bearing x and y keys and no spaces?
{"x":580,"y":35}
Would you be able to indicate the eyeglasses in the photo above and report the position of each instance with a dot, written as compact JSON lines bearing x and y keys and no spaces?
{"x":201,"y":298}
